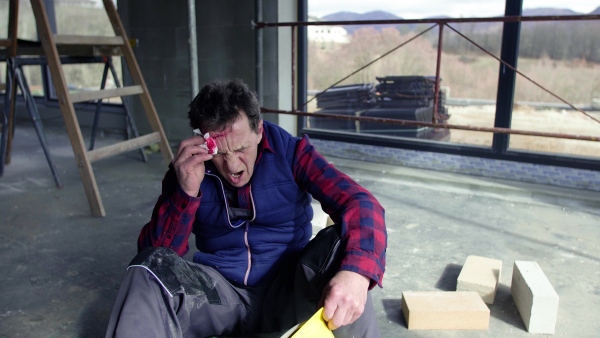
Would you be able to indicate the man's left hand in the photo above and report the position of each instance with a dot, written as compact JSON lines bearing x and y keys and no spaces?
{"x":344,"y":298}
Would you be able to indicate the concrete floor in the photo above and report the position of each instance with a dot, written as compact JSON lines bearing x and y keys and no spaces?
{"x":61,"y":268}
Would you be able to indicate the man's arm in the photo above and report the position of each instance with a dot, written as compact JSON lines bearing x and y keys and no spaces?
{"x":358,"y":212}
{"x":363,"y":228}
{"x":172,"y":218}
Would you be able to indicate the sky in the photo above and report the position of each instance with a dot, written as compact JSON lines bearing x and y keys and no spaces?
{"x":452,"y":8}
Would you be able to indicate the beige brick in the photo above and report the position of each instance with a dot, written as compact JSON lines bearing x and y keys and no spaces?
{"x":480,"y":274}
{"x":535,"y":298}
{"x":445,"y":310}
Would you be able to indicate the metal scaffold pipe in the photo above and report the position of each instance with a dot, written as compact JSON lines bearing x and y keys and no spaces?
{"x":433,"y":125}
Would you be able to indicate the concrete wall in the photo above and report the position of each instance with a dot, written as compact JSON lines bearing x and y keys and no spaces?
{"x":225,"y":49}
{"x":161,"y":28}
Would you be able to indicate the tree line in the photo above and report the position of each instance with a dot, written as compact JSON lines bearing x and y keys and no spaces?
{"x":558,"y":40}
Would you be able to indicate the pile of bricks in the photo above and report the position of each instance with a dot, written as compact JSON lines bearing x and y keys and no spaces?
{"x":409,"y":98}
{"x":410,"y":92}
{"x":355,"y":96}
{"x":466,"y":309}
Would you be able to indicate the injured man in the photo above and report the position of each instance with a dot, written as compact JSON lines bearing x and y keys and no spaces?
{"x":244,"y":189}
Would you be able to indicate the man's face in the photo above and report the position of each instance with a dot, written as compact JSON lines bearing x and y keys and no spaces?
{"x":237,"y":153}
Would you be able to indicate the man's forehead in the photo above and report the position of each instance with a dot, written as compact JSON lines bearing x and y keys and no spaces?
{"x":239,"y":128}
{"x":234,"y":137}
{"x":218,"y":135}
{"x":233,"y":131}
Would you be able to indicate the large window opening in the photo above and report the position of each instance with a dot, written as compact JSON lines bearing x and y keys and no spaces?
{"x":564,"y":59}
{"x":388,"y":71}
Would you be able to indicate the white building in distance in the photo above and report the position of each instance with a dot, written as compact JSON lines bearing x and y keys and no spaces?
{"x":326,"y":36}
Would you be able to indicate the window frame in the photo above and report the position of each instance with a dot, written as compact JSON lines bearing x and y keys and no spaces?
{"x":504,"y":103}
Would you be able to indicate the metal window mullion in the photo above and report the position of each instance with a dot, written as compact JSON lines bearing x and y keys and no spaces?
{"x":506,"y":76}
{"x":302,"y":68}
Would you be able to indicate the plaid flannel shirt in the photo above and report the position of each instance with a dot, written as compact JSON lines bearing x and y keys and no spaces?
{"x":346,"y":202}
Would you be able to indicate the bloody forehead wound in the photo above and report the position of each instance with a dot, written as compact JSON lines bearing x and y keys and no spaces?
{"x":209,"y":142}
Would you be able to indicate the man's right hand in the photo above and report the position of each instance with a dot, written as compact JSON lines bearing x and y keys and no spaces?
{"x":189,"y":164}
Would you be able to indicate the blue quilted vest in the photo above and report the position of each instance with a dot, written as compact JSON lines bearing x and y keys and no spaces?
{"x":249,"y":251}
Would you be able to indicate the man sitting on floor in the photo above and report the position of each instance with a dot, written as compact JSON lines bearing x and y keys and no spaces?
{"x":249,"y":207}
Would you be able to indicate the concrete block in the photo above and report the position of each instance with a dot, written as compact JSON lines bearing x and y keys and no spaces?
{"x":534,"y":297}
{"x":445,"y":310}
{"x":480,"y":274}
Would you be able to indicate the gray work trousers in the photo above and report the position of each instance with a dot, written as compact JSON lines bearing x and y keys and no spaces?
{"x":163,"y":295}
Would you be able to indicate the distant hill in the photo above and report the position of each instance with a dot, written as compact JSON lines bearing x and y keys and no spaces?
{"x":549,"y":12}
{"x":562,"y":40}
{"x":485,"y":26}
{"x":351,"y":16}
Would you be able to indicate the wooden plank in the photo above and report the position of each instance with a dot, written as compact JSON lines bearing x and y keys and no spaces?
{"x":482,"y":275}
{"x":5,"y":42}
{"x":67,"y":109}
{"x":72,"y":50}
{"x":123,"y":147}
{"x":88,"y":40}
{"x":92,"y":95}
{"x":445,"y":310}
{"x":138,"y":79}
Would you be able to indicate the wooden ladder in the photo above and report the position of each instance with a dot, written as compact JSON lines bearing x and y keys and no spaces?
{"x":66,"y":99}
{"x":10,"y":94}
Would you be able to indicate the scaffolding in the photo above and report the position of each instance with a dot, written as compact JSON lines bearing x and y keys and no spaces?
{"x":436,"y":120}
{"x":55,"y":50}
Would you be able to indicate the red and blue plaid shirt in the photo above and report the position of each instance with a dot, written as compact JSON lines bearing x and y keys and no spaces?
{"x":346,"y":202}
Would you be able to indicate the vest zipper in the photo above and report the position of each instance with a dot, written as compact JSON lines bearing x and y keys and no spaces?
{"x":246,"y":229}
{"x":249,"y":253}
{"x":225,"y":199}
{"x":253,"y":206}
{"x":246,"y":237}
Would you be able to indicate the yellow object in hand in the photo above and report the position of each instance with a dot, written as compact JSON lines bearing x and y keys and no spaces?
{"x":314,"y":327}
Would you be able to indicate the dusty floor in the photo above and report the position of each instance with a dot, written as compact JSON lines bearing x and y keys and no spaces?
{"x":61,"y":268}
